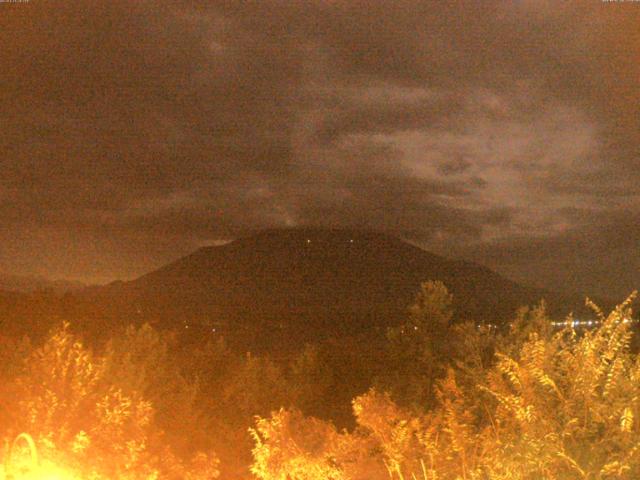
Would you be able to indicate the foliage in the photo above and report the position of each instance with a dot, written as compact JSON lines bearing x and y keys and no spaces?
{"x":84,"y":413}
{"x":458,"y":402}
{"x":566,"y":406}
{"x":140,"y":362}
{"x":555,"y":405}
{"x":303,"y":451}
{"x":420,"y":350}
{"x":309,"y":379}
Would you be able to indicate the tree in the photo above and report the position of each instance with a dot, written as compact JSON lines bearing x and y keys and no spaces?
{"x":139,"y":361}
{"x":90,"y":417}
{"x":289,"y":446}
{"x":310,"y":379}
{"x":420,"y":348}
{"x":558,"y":405}
{"x":63,"y":399}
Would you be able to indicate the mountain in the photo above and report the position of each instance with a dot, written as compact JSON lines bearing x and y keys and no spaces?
{"x":295,"y":285}
{"x":28,"y":283}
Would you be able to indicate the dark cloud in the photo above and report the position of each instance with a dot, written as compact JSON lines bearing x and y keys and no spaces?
{"x":133,"y":132}
{"x":596,"y":257}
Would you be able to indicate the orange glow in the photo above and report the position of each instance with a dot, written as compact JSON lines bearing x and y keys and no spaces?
{"x":47,"y":471}
{"x":32,"y":467}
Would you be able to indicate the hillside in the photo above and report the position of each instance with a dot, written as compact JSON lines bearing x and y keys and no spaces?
{"x":26,"y":283}
{"x":303,"y":284}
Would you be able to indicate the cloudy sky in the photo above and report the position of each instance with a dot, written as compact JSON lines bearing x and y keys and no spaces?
{"x":508,"y":132}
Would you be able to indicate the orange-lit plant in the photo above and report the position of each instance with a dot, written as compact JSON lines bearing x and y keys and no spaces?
{"x":550,"y":406}
{"x":80,"y":415}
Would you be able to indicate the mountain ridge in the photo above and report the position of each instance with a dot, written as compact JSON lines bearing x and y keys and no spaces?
{"x":34,"y":283}
{"x":305,"y":283}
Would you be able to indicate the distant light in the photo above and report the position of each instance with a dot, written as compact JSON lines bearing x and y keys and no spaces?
{"x":351,"y":240}
{"x":308,"y":240}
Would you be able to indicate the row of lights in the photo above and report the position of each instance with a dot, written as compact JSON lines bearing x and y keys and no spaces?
{"x":491,"y":326}
{"x":585,"y":323}
{"x":309,"y":240}
{"x":187,"y":326}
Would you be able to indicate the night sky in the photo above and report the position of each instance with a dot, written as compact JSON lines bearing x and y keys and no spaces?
{"x":503,"y":132}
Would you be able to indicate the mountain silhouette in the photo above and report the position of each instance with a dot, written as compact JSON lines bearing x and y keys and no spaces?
{"x":33,"y":283}
{"x":286,"y":286}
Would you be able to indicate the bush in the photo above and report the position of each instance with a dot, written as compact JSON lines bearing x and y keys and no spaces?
{"x":561,"y":405}
{"x":87,"y":416}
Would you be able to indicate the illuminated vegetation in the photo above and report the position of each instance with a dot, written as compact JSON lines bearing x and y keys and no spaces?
{"x":88,"y":416}
{"x":441,"y":401}
{"x":550,"y":405}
